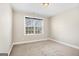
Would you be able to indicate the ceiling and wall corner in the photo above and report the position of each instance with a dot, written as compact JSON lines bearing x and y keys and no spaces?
{"x":36,"y":8}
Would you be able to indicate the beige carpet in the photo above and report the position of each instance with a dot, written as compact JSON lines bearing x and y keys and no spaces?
{"x":44,"y":48}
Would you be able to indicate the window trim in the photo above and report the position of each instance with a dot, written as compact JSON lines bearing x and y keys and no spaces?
{"x":34,"y":33}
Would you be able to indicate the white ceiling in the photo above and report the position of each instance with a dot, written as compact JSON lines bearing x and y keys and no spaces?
{"x":51,"y":10}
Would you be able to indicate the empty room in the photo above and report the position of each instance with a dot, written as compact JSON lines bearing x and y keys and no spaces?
{"x":39,"y":29}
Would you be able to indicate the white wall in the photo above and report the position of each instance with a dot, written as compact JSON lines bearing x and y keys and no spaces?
{"x":5,"y":28}
{"x":19,"y":28}
{"x":65,"y":27}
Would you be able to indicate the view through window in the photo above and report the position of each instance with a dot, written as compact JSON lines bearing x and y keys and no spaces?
{"x":33,"y":25}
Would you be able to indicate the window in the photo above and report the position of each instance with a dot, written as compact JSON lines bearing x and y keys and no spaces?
{"x":33,"y":25}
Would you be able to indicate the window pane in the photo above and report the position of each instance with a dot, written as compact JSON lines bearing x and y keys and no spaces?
{"x":38,"y":23}
{"x":38,"y":26}
{"x":27,"y":30}
{"x":33,"y":26}
{"x":32,"y":30}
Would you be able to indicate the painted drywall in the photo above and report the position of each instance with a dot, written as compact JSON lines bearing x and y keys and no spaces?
{"x":65,"y":27}
{"x":5,"y":28}
{"x":18,"y":28}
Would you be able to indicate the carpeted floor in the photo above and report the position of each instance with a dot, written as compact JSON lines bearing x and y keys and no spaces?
{"x":43,"y":48}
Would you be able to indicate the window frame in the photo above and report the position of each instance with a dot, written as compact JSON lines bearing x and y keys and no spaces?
{"x":34,"y":30}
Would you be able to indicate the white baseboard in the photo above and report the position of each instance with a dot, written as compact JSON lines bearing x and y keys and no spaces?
{"x":10,"y":49}
{"x":22,"y":42}
{"x":67,"y":44}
